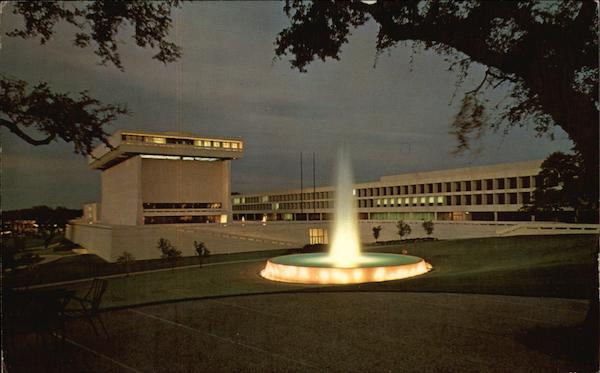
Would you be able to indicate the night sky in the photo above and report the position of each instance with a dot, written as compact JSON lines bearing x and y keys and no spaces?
{"x":394,"y":116}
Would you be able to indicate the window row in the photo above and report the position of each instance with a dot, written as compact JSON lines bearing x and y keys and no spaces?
{"x":283,"y":197}
{"x":299,"y":197}
{"x":181,"y":205}
{"x":252,"y":206}
{"x":180,"y":219}
{"x":205,"y":143}
{"x":445,"y":187}
{"x":451,"y":186}
{"x":284,"y":206}
{"x":456,"y":200}
{"x":451,"y":200}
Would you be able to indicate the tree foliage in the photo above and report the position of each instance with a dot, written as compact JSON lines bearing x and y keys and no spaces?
{"x":33,"y":111}
{"x":99,"y":23}
{"x":168,"y":252}
{"x":544,"y":53}
{"x":201,"y":249}
{"x":126,"y":259}
{"x":33,"y":212}
{"x":563,"y":185}
{"x":51,"y":114}
{"x":403,"y":228}
{"x":428,"y":227}
{"x":49,"y":221}
{"x":376,"y":231}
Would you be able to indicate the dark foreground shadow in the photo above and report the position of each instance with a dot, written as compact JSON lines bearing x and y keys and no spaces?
{"x":577,"y":344}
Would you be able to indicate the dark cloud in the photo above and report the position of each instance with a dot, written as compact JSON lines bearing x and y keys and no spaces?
{"x":395,"y":116}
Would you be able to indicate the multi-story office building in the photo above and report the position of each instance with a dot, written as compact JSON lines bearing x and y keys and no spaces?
{"x":489,"y":193}
{"x":176,"y":186}
{"x":163,"y":178}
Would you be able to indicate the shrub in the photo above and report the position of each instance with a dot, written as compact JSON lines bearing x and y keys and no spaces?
{"x":168,"y":252}
{"x":314,"y":248}
{"x":125,"y":260}
{"x":403,"y":228}
{"x":376,"y":231}
{"x":428,"y":226}
{"x":201,"y":250}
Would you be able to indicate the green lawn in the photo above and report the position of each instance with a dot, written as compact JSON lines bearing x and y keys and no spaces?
{"x":73,"y":267}
{"x":548,"y":266}
{"x":545,"y":266}
{"x":425,"y":323}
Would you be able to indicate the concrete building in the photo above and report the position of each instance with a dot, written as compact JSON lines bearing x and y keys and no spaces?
{"x":149,"y":179}
{"x":177,"y":187}
{"x":164,"y":178}
{"x":481,"y":193}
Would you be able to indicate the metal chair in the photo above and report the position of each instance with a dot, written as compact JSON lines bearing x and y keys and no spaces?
{"x":90,"y":304}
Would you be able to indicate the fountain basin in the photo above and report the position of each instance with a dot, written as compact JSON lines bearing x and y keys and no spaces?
{"x":319,"y":268}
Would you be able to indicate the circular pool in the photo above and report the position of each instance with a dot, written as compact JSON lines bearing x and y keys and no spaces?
{"x":319,"y":268}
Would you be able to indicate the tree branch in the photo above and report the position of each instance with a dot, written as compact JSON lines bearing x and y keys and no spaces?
{"x":17,"y":131}
{"x":487,"y":73}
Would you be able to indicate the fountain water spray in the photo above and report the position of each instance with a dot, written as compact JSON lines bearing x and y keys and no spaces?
{"x":344,"y":264}
{"x":345,"y":246}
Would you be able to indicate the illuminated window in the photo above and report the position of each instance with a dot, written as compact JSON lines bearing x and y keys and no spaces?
{"x":407,"y":201}
{"x":415,"y":200}
{"x":440,"y":200}
{"x":385,"y":202}
{"x":378,"y":202}
{"x":236,"y":201}
{"x":226,"y":145}
{"x":431,"y":200}
{"x":206,"y":159}
{"x":423,"y":199}
{"x":217,"y":144}
{"x":155,"y":140}
{"x":152,"y":156}
{"x":265,"y":199}
{"x":132,"y":138}
{"x":207,"y":143}
{"x":275,"y":206}
{"x":317,"y":236}
{"x":241,"y":145}
{"x":234,"y":145}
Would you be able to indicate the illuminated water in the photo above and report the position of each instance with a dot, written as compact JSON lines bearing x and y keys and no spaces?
{"x":345,"y":246}
{"x":344,"y":264}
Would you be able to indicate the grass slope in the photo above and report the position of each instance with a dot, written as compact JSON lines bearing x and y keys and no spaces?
{"x":545,"y":266}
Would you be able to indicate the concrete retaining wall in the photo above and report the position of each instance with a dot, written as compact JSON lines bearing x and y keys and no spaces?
{"x":110,"y":241}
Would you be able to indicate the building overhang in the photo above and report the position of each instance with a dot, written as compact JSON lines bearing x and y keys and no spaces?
{"x":198,"y":148}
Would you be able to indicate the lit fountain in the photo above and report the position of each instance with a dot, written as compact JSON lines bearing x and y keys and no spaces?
{"x":344,"y":264}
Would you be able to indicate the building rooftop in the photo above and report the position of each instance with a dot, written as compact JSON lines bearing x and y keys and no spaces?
{"x":523,"y":168}
{"x":164,"y":145}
